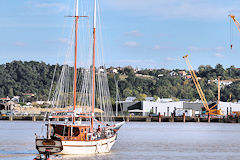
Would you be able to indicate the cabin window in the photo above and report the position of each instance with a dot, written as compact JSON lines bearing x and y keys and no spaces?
{"x":58,"y":130}
{"x":66,"y":131}
{"x":75,"y":131}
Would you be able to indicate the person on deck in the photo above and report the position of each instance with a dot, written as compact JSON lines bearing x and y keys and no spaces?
{"x":99,"y":130}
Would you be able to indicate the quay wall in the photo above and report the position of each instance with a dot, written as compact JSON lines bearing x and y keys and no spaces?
{"x":140,"y":119}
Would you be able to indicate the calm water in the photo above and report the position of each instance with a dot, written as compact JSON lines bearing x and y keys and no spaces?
{"x":166,"y":141}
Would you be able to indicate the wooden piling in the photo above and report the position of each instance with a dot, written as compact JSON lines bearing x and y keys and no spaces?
{"x":159,"y":117}
{"x":172,"y":117}
{"x":34,"y":118}
{"x":184,"y":118}
{"x":127,"y":119}
{"x":209,"y":118}
{"x":10,"y":118}
{"x":148,"y":119}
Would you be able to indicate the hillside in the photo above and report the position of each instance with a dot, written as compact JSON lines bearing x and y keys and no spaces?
{"x":20,"y":77}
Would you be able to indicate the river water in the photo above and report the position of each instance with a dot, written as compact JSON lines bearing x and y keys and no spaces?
{"x":140,"y":140}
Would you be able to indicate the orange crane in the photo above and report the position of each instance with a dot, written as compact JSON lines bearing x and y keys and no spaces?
{"x":213,"y":109}
{"x":219,"y":84}
{"x":219,"y":87}
{"x":236,"y":23}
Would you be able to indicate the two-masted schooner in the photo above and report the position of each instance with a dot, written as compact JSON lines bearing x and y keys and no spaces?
{"x":82,"y":99}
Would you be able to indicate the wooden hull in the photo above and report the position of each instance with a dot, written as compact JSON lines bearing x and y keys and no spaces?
{"x":88,"y":147}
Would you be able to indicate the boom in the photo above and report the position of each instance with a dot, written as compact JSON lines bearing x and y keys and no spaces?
{"x":235,"y":21}
{"x":219,"y":84}
{"x":200,"y":92}
{"x":195,"y":80}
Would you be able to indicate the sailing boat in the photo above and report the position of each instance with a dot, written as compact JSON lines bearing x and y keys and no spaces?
{"x":83,"y":101}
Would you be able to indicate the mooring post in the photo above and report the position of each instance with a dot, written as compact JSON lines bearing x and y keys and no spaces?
{"x":198,"y":118}
{"x":10,"y":118}
{"x":34,"y":118}
{"x":172,"y":117}
{"x":184,"y":117}
{"x":159,"y":117}
{"x":127,"y":119}
{"x":209,"y":118}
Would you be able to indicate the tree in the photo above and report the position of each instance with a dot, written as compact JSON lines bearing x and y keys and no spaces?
{"x":141,"y":97}
{"x":127,"y":92}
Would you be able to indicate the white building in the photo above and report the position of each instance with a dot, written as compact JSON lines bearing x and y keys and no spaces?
{"x":156,"y":107}
{"x":229,"y":107}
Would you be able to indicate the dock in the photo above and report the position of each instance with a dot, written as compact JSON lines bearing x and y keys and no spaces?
{"x":138,"y":119}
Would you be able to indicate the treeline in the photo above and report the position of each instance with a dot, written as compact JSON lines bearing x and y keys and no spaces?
{"x":163,"y":84}
{"x":20,"y":77}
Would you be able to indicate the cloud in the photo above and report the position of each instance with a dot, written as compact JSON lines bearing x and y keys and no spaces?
{"x":158,"y":47}
{"x":174,"y":9}
{"x":130,"y":44}
{"x":20,"y":43}
{"x":218,"y":55}
{"x":60,"y":40}
{"x":134,"y":34}
{"x":199,"y":49}
{"x":136,"y":61}
{"x":171,"y":59}
{"x":46,"y":8}
{"x":25,"y":25}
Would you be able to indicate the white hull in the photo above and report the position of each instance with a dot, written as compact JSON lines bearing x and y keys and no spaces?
{"x":88,"y":147}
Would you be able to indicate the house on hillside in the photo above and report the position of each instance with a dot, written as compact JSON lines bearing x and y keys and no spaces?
{"x":222,"y":83}
{"x":16,"y":99}
{"x":173,"y":73}
{"x":144,"y":76}
{"x":160,"y":75}
{"x":188,"y":77}
{"x":112,"y":70}
{"x":182,"y":73}
{"x":5,"y":99}
{"x":28,"y":94}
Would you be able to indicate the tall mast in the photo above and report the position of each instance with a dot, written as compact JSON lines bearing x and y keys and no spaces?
{"x":93,"y":65}
{"x":75,"y":60}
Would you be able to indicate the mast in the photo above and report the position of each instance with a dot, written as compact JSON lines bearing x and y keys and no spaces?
{"x":75,"y":61}
{"x":93,"y":62}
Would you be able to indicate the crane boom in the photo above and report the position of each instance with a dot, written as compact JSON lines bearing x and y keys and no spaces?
{"x":235,"y":21}
{"x":210,"y":111}
{"x":195,"y":80}
{"x":219,"y":84}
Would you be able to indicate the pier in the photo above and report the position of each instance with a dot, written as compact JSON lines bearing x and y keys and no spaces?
{"x":158,"y":119}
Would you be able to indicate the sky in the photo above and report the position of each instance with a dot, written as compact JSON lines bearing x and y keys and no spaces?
{"x":139,"y":33}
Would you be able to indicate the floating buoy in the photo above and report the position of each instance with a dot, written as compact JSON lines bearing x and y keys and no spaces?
{"x":231,"y":46}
